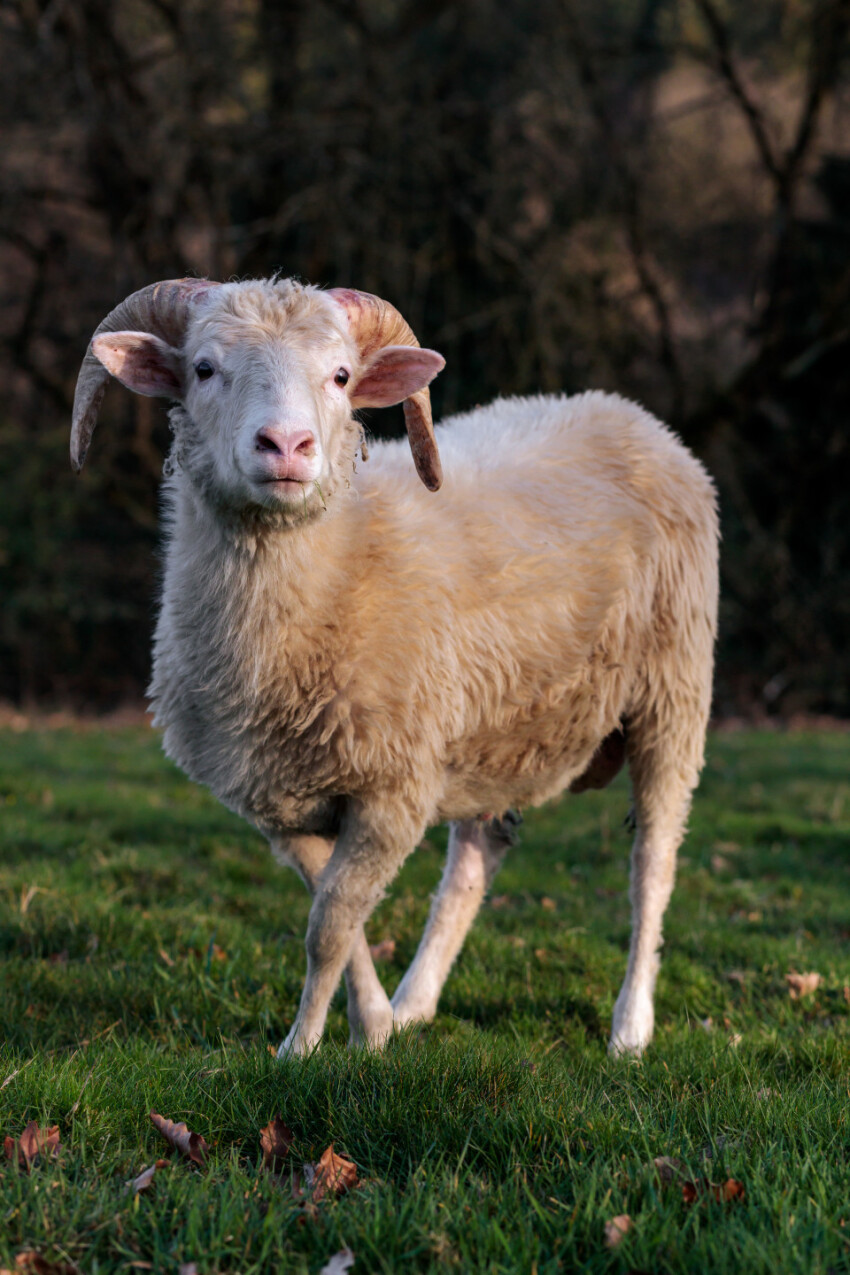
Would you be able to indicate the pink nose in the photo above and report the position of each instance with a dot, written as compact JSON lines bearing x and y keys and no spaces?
{"x":288,"y":445}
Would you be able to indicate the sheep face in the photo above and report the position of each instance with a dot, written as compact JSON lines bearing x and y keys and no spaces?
{"x":268,"y":375}
{"x":267,"y":418}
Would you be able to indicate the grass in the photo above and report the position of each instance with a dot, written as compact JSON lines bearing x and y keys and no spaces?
{"x":151,"y":950}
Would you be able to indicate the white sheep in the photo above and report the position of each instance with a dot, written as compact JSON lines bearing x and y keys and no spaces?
{"x":345,"y":659}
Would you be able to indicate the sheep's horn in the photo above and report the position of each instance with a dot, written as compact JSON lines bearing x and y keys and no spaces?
{"x":375,"y":323}
{"x":162,"y":309}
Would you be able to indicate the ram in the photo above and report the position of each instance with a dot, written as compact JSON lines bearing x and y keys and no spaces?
{"x":346,"y":655}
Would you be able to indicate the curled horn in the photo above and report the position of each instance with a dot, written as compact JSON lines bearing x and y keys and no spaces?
{"x":163,"y":310}
{"x":374,"y":324}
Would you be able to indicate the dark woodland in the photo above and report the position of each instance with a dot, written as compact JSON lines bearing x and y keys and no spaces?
{"x":644,"y":196}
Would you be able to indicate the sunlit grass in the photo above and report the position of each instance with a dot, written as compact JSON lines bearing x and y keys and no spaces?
{"x":151,"y":950}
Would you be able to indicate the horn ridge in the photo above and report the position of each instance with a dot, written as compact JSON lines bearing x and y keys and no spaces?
{"x":374,"y":324}
{"x":161,"y":309}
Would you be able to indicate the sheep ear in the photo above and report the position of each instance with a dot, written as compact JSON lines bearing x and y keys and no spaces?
{"x":142,"y":362}
{"x":398,"y":372}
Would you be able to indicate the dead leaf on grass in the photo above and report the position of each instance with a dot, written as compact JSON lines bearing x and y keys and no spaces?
{"x":275,"y":1141}
{"x":165,"y":958}
{"x":721,"y":1192}
{"x":549,"y":904}
{"x":339,"y":1263}
{"x":667,"y":1168}
{"x":616,"y":1229}
{"x":383,"y":951}
{"x":146,"y":1177}
{"x":34,"y":1264}
{"x":333,"y":1175}
{"x":802,"y":984}
{"x":737,"y":976}
{"x":192,"y":1145}
{"x":32,"y":1144}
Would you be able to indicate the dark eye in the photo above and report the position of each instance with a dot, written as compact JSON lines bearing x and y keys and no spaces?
{"x":341,"y":377}
{"x":204,"y":369}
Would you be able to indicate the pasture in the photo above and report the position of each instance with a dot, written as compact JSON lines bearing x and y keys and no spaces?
{"x":151,"y":952}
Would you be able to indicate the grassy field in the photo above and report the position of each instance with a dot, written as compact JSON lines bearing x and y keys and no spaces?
{"x":151,"y":951}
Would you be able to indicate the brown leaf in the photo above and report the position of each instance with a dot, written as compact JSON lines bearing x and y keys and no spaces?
{"x":616,"y":1229}
{"x":801,"y":984}
{"x":550,"y":905}
{"x":34,"y":1264}
{"x":667,"y":1168}
{"x":383,"y":951}
{"x":331,"y":1176}
{"x":146,"y":1177}
{"x":192,"y":1145}
{"x":168,"y":960}
{"x":721,"y":1192}
{"x":275,"y":1141}
{"x":500,"y":901}
{"x":737,"y":976}
{"x":339,"y":1263}
{"x":33,"y":1142}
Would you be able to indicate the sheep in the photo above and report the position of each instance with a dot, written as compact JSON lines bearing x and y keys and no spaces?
{"x":344,"y":658}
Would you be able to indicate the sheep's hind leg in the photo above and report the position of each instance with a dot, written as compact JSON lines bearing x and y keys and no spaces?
{"x":664,"y":775}
{"x":370,"y":1014}
{"x":476,"y":849}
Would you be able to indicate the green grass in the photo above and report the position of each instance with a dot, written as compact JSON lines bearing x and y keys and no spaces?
{"x":502,"y":1138}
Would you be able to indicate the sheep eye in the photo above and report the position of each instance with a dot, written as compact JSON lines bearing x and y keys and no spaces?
{"x":341,"y":377}
{"x":204,"y":369}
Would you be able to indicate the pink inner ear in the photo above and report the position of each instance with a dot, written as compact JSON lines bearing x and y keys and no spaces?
{"x":397,"y":372}
{"x":141,"y":361}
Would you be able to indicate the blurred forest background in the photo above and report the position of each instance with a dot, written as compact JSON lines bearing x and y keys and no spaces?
{"x":649,"y":196}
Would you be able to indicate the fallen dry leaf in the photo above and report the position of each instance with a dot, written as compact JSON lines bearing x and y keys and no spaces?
{"x":331,"y":1176}
{"x":616,"y":1229}
{"x":339,"y":1263}
{"x":721,"y":1192}
{"x":667,"y":1168}
{"x":190,"y":1144}
{"x":275,"y":1141}
{"x":383,"y":951}
{"x":500,"y":900}
{"x":143,"y":1181}
{"x":549,"y":904}
{"x":737,"y":976}
{"x":168,"y":960}
{"x":34,"y":1264}
{"x":33,"y":1142}
{"x":801,"y":984}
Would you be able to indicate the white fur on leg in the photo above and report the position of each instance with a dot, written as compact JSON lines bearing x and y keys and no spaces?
{"x":470,"y":867}
{"x":660,"y":827}
{"x":370,"y":1014}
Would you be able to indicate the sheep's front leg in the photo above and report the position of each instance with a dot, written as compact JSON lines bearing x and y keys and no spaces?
{"x":370,"y":1014}
{"x":374,"y":841}
{"x":476,"y":849}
